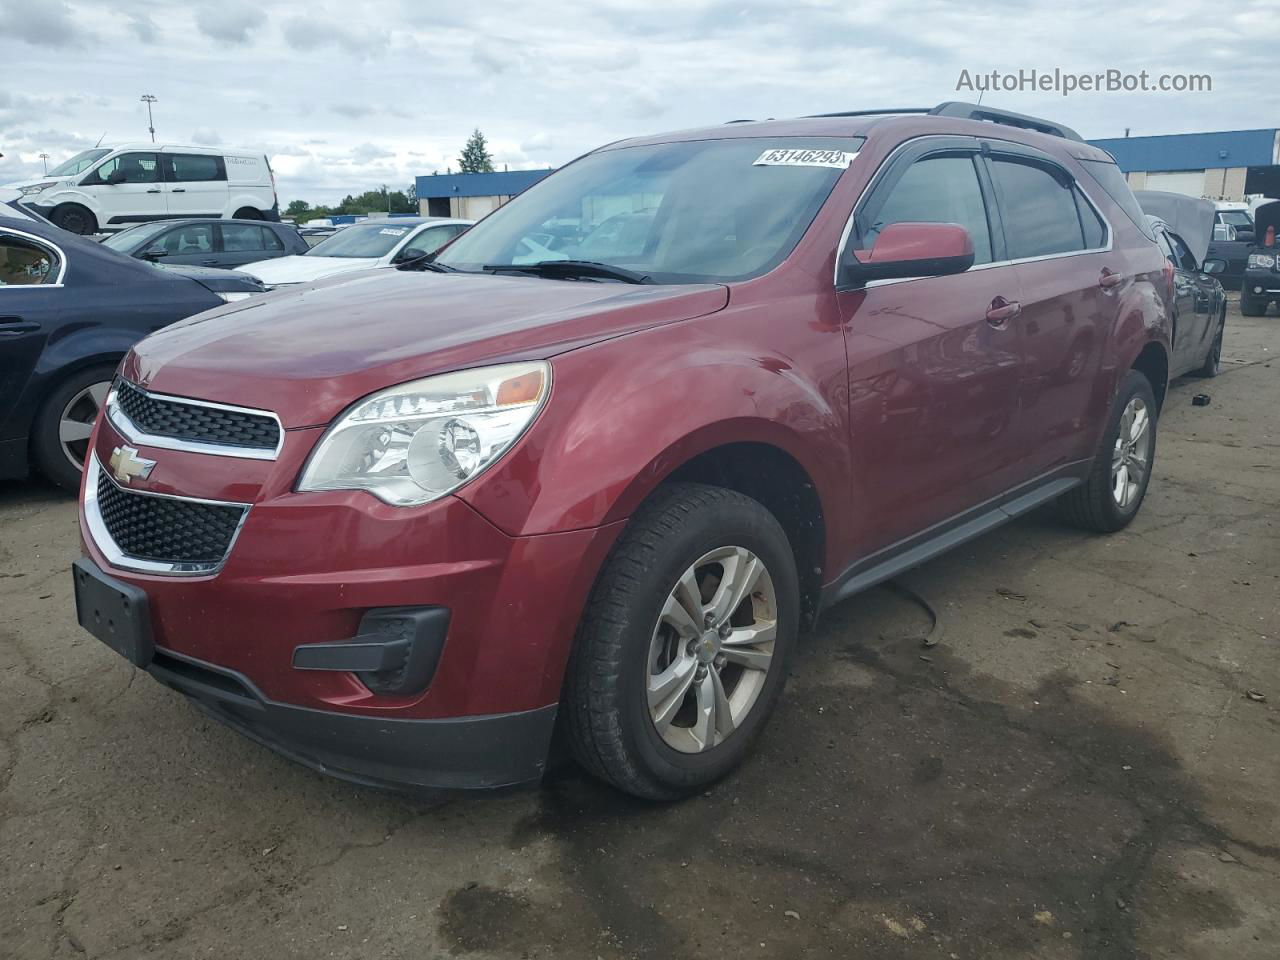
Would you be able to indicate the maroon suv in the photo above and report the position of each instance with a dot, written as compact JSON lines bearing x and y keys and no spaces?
{"x":593,"y":469}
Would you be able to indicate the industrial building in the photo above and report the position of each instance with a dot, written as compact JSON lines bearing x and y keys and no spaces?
{"x":1228,"y":165}
{"x":471,"y":196}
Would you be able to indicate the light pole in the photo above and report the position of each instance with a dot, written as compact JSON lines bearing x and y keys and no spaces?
{"x":44,"y":159}
{"x":148,"y":99}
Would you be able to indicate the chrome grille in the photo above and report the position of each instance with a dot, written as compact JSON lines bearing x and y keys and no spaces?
{"x":198,"y":425}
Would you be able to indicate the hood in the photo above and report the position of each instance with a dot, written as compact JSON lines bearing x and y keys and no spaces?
{"x":1188,"y":217}
{"x":302,"y":269}
{"x":309,"y":352}
{"x":1266,"y":215}
{"x":214,"y":279}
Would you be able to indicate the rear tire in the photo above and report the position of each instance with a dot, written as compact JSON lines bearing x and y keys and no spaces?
{"x":1213,"y":362}
{"x":1106,"y":502}
{"x":641,"y":672}
{"x":60,"y":434}
{"x":249,"y":213}
{"x":74,"y":218}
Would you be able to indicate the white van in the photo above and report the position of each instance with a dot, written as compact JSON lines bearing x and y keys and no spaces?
{"x":108,"y":189}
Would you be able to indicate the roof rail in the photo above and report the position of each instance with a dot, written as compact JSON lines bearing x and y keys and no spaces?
{"x":973,"y":111}
{"x":868,"y":113}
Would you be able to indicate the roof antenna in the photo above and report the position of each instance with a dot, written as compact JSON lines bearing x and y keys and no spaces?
{"x":980,"y":93}
{"x":99,"y":143}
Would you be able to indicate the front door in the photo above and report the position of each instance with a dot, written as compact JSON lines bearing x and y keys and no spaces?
{"x":129,"y":189}
{"x":933,"y":379}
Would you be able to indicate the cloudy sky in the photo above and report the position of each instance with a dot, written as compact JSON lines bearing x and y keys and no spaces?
{"x":344,"y":101}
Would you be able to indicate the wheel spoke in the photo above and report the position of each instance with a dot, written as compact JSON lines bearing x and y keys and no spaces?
{"x":704,"y":725}
{"x":762,"y":631}
{"x":748,"y":657}
{"x":724,"y":713}
{"x":1139,"y":425}
{"x":742,"y":572}
{"x":1121,"y":489}
{"x":676,"y":616}
{"x":98,"y":392}
{"x":69,"y":431}
{"x":667,"y":691}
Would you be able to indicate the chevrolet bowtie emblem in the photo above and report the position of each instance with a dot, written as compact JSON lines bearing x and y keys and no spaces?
{"x":126,"y":464}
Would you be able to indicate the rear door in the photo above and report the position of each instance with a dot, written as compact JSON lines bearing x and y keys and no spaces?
{"x":138,"y":194}
{"x":30,"y":301}
{"x":247,"y":243}
{"x":196,"y":184}
{"x":1069,"y":280}
{"x":933,"y":381}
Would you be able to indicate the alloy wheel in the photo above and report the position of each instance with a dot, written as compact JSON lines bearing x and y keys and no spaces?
{"x":711,"y":650}
{"x":76,"y":422}
{"x":1131,"y":458}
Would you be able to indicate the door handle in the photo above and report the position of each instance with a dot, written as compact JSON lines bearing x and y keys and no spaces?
{"x":1002,"y":311}
{"x":154,"y":190}
{"x":178,"y":190}
{"x":209,"y":262}
{"x":13,"y":326}
{"x":1110,"y":279}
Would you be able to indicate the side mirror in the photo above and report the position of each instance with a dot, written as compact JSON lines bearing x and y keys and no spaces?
{"x":115,"y":177}
{"x":910,"y":250}
{"x":155,"y":253}
{"x":409,"y":253}
{"x":1213,"y":267}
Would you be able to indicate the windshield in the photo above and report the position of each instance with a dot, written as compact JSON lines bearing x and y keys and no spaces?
{"x":1237,"y":218}
{"x":361,"y":240}
{"x":81,"y":162}
{"x":132,"y":237}
{"x":699,"y":211}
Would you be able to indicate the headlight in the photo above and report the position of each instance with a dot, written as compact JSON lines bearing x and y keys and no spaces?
{"x":421,"y":440}
{"x":1261,"y":260}
{"x":232,"y":297}
{"x":36,"y":188}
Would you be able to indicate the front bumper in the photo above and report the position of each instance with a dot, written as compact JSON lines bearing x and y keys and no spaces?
{"x":462,"y":752}
{"x":1261,"y":283}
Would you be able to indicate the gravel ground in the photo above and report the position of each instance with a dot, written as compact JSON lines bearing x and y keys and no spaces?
{"x":1083,"y":767}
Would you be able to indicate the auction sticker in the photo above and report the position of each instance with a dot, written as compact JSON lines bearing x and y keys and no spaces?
{"x":393,"y":232}
{"x":805,"y":158}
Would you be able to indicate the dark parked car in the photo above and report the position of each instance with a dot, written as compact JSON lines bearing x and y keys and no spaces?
{"x":403,"y":526}
{"x":1261,"y":286}
{"x":69,"y":309}
{"x":208,"y":242}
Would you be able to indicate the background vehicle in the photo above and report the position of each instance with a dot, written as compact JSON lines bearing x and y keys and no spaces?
{"x":313,"y":235}
{"x":1182,"y":226}
{"x":109,"y":189}
{"x":371,"y":243}
{"x":69,"y":309}
{"x":609,"y":494}
{"x":208,"y":243}
{"x":1261,"y":284}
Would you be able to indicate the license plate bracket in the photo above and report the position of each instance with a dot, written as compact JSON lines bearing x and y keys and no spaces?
{"x":117,"y":613}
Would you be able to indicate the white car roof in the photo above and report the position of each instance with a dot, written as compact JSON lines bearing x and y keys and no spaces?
{"x":184,"y":148}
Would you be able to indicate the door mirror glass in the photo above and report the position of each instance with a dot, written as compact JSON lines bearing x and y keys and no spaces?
{"x":912,"y":250}
{"x":409,"y":253}
{"x":115,"y":177}
{"x":1213,"y":267}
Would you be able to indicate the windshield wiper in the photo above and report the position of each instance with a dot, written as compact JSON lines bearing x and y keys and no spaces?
{"x":571,"y":268}
{"x":426,"y":262}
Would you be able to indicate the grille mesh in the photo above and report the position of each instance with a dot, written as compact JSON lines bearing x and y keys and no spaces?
{"x":165,"y":530}
{"x":185,"y":421}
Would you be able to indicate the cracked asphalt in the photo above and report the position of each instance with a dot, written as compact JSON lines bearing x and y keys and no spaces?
{"x":1085,"y":766}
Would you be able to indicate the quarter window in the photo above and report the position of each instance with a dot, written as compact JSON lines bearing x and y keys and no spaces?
{"x":195,"y":167}
{"x":133,"y":168}
{"x":1039,"y":209}
{"x":942,"y":189}
{"x":25,"y":264}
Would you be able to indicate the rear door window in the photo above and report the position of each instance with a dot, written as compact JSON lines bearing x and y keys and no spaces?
{"x":244,"y":237}
{"x":194,"y":167}
{"x":1038,"y":207}
{"x":939,"y":189}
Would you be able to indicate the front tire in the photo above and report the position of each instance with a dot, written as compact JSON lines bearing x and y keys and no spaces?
{"x":683,"y":650}
{"x":1251,"y":305}
{"x":1109,"y":499}
{"x":1213,"y":362}
{"x":75,"y":218}
{"x":60,"y":434}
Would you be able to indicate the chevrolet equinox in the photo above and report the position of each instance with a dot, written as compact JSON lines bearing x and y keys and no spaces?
{"x":592,"y":469}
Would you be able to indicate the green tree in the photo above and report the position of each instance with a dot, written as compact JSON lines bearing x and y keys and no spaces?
{"x":297,"y":208}
{"x":475,"y":156}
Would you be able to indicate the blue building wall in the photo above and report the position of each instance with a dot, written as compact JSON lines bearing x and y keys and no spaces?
{"x":503,"y":184}
{"x":1193,"y":151}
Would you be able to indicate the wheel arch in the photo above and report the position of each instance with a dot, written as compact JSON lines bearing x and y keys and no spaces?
{"x":1152,"y":361}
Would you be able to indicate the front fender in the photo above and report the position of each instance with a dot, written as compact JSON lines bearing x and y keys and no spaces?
{"x":624,"y":414}
{"x":55,"y":198}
